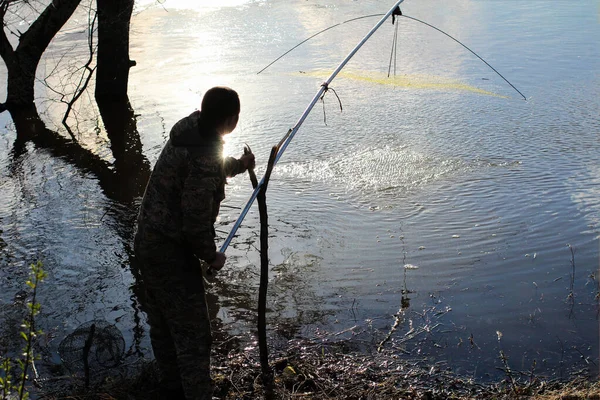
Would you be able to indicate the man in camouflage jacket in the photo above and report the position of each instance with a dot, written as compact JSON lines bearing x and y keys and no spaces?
{"x":175,"y":229}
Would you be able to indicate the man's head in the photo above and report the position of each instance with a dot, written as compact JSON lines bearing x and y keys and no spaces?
{"x":221,"y":109}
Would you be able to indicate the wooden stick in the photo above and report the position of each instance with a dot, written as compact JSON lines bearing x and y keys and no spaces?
{"x":253,"y":178}
{"x":267,"y":374}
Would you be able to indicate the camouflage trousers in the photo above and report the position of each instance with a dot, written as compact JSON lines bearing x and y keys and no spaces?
{"x":175,"y":303}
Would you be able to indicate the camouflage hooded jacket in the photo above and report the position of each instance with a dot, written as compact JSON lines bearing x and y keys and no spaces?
{"x":181,"y":202}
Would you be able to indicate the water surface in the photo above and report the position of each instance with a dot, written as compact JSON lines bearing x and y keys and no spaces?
{"x":439,"y":196}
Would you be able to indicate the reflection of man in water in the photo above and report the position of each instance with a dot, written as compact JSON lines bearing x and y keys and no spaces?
{"x":175,"y":228}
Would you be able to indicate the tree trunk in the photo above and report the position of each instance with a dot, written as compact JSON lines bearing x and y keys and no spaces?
{"x":22,"y":62}
{"x":21,"y":80}
{"x":112,"y":73}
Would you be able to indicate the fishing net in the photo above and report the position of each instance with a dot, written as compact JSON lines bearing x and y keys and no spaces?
{"x":93,"y":346}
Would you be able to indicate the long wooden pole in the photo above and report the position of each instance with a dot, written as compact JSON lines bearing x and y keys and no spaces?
{"x":267,"y":375}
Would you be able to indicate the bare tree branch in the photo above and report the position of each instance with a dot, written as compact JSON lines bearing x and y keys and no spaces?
{"x":6,"y":50}
{"x":37,"y":38}
{"x":83,"y":81}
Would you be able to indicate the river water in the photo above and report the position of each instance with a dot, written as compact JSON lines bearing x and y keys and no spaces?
{"x":438,"y":199}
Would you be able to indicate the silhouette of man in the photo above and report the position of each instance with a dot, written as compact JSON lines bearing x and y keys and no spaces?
{"x":175,"y":229}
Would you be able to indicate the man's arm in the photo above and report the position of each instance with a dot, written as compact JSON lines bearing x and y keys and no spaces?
{"x":233,"y":166}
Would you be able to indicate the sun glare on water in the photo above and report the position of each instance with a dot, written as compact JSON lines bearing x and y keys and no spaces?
{"x":195,"y":4}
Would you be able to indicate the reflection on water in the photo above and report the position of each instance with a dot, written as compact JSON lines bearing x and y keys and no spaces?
{"x":481,"y":192}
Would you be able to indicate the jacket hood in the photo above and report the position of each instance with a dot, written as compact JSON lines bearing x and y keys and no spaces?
{"x":191,"y":131}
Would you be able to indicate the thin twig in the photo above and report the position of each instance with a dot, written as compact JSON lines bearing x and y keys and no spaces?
{"x":508,"y":371}
{"x":83,"y":83}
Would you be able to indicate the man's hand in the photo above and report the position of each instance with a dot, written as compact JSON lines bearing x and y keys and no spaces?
{"x":218,"y":262}
{"x":247,"y":160}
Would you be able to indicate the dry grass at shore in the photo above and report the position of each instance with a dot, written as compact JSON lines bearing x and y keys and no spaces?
{"x":316,"y":371}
